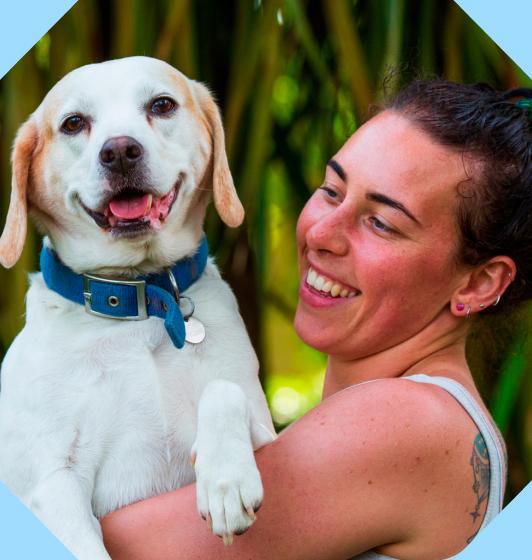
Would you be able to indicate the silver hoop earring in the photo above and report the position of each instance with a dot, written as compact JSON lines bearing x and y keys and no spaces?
{"x":468,"y":313}
{"x":497,"y":300}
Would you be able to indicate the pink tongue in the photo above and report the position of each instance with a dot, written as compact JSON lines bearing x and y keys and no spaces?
{"x":130,"y":209}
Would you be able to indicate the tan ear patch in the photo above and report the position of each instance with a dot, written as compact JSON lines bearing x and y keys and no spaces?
{"x":226,"y":199}
{"x":14,"y":234}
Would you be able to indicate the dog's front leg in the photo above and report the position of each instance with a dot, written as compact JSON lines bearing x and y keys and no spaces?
{"x":229,"y":487}
{"x":63,"y":504}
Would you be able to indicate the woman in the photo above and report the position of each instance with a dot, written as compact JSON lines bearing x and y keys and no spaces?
{"x":423,"y":222}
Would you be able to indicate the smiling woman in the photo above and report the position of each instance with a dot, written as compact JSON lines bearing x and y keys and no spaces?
{"x":372,"y":227}
{"x":423,"y":222}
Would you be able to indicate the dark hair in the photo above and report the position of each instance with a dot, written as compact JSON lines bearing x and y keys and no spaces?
{"x":494,"y":134}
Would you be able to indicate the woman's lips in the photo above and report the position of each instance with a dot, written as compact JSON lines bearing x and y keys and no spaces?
{"x":319,"y":290}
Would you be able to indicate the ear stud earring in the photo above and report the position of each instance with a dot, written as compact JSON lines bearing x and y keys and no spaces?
{"x":460,"y":307}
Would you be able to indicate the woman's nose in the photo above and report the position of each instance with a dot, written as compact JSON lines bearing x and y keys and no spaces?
{"x":329,"y":234}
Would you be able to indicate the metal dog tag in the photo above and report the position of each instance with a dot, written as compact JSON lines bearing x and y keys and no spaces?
{"x":194,"y":330}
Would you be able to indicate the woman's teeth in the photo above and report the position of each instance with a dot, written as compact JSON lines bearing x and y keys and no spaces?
{"x":328,"y":286}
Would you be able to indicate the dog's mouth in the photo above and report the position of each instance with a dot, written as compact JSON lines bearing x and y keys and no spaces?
{"x":133,"y":211}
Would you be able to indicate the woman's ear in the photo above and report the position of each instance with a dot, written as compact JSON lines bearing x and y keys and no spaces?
{"x":226,"y":200}
{"x":484,"y":286}
{"x":14,"y":234}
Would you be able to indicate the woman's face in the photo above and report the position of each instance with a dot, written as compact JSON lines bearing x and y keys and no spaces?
{"x":382,"y":234}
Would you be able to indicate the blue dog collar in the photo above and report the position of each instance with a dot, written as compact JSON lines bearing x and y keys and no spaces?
{"x":148,"y":296}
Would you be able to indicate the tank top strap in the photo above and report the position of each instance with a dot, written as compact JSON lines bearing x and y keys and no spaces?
{"x":490,"y":433}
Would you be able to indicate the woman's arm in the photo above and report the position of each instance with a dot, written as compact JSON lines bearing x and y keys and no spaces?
{"x":351,"y":475}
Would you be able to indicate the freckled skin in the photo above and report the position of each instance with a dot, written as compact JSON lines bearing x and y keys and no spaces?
{"x":405,"y":283}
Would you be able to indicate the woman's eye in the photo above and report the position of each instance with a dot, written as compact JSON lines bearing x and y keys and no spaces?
{"x":330,"y":192}
{"x":163,"y":106}
{"x":73,"y":124}
{"x":380,"y":226}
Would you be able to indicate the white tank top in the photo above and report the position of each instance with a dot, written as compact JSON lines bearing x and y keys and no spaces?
{"x":494,"y":444}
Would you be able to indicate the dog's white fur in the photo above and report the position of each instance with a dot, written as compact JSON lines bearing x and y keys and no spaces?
{"x":97,"y":413}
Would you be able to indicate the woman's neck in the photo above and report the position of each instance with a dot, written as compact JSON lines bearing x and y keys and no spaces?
{"x":437,"y":349}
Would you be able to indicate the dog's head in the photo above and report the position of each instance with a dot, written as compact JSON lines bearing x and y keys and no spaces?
{"x":117,"y":165}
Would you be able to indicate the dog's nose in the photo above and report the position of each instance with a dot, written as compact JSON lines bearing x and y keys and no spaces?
{"x":121,"y":153}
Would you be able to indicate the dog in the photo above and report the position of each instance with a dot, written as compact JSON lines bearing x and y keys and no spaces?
{"x":117,"y":166}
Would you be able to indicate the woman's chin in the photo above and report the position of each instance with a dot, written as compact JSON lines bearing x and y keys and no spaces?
{"x":314,"y":334}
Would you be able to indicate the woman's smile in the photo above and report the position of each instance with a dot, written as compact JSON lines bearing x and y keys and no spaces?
{"x":319,"y":289}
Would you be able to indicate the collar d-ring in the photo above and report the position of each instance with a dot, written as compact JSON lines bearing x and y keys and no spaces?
{"x":178,"y":297}
{"x":173,"y":283}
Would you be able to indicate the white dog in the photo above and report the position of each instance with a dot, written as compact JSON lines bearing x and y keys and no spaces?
{"x":116,"y":166}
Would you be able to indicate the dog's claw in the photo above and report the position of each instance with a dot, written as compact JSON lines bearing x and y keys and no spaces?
{"x":251,"y":513}
{"x":228,"y":539}
{"x":209,"y":521}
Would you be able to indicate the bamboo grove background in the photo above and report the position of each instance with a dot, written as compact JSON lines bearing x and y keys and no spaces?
{"x":294,"y":78}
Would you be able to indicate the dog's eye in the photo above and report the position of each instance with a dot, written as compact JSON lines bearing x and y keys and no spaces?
{"x":163,"y":106}
{"x":73,"y":124}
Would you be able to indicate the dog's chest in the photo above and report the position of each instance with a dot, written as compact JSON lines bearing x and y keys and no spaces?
{"x":151,"y":433}
{"x":155,"y":392}
{"x":128,"y":398}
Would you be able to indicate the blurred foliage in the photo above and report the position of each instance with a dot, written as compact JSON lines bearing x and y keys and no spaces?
{"x":293,"y":78}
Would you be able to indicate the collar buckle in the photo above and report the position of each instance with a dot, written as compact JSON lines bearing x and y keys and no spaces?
{"x":139,"y":285}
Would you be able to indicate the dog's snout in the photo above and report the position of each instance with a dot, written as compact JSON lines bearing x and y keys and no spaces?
{"x":120,"y":154}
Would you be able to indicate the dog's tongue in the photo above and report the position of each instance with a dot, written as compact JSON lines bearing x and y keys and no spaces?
{"x":130,"y":208}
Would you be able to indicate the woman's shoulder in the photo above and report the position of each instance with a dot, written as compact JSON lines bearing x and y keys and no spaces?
{"x":400,"y":406}
{"x":417,"y":444}
{"x":420,"y":428}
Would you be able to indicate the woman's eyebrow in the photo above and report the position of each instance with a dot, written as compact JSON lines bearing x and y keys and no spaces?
{"x":335,"y":166}
{"x":383,"y":199}
{"x":373,"y":196}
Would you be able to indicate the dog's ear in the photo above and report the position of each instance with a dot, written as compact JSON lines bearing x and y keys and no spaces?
{"x":14,"y":234}
{"x":226,"y":200}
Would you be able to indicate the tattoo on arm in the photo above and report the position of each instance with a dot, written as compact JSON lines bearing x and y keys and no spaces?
{"x":481,"y":475}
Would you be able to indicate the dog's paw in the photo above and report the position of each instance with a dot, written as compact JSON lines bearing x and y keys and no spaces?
{"x":229,"y":492}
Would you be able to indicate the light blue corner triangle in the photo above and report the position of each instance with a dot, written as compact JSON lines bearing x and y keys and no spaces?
{"x":508,"y":23}
{"x":23,"y":23}
{"x":508,"y":535}
{"x":23,"y":536}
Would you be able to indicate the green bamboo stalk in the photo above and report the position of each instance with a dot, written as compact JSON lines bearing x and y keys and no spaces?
{"x":508,"y":387}
{"x":452,"y":41}
{"x":352,"y":63}
{"x":252,"y":38}
{"x":178,"y":11}
{"x":309,"y":43}
{"x":185,"y":56}
{"x":395,"y":18}
{"x":426,"y":37}
{"x":123,"y":36}
{"x":257,"y":147}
